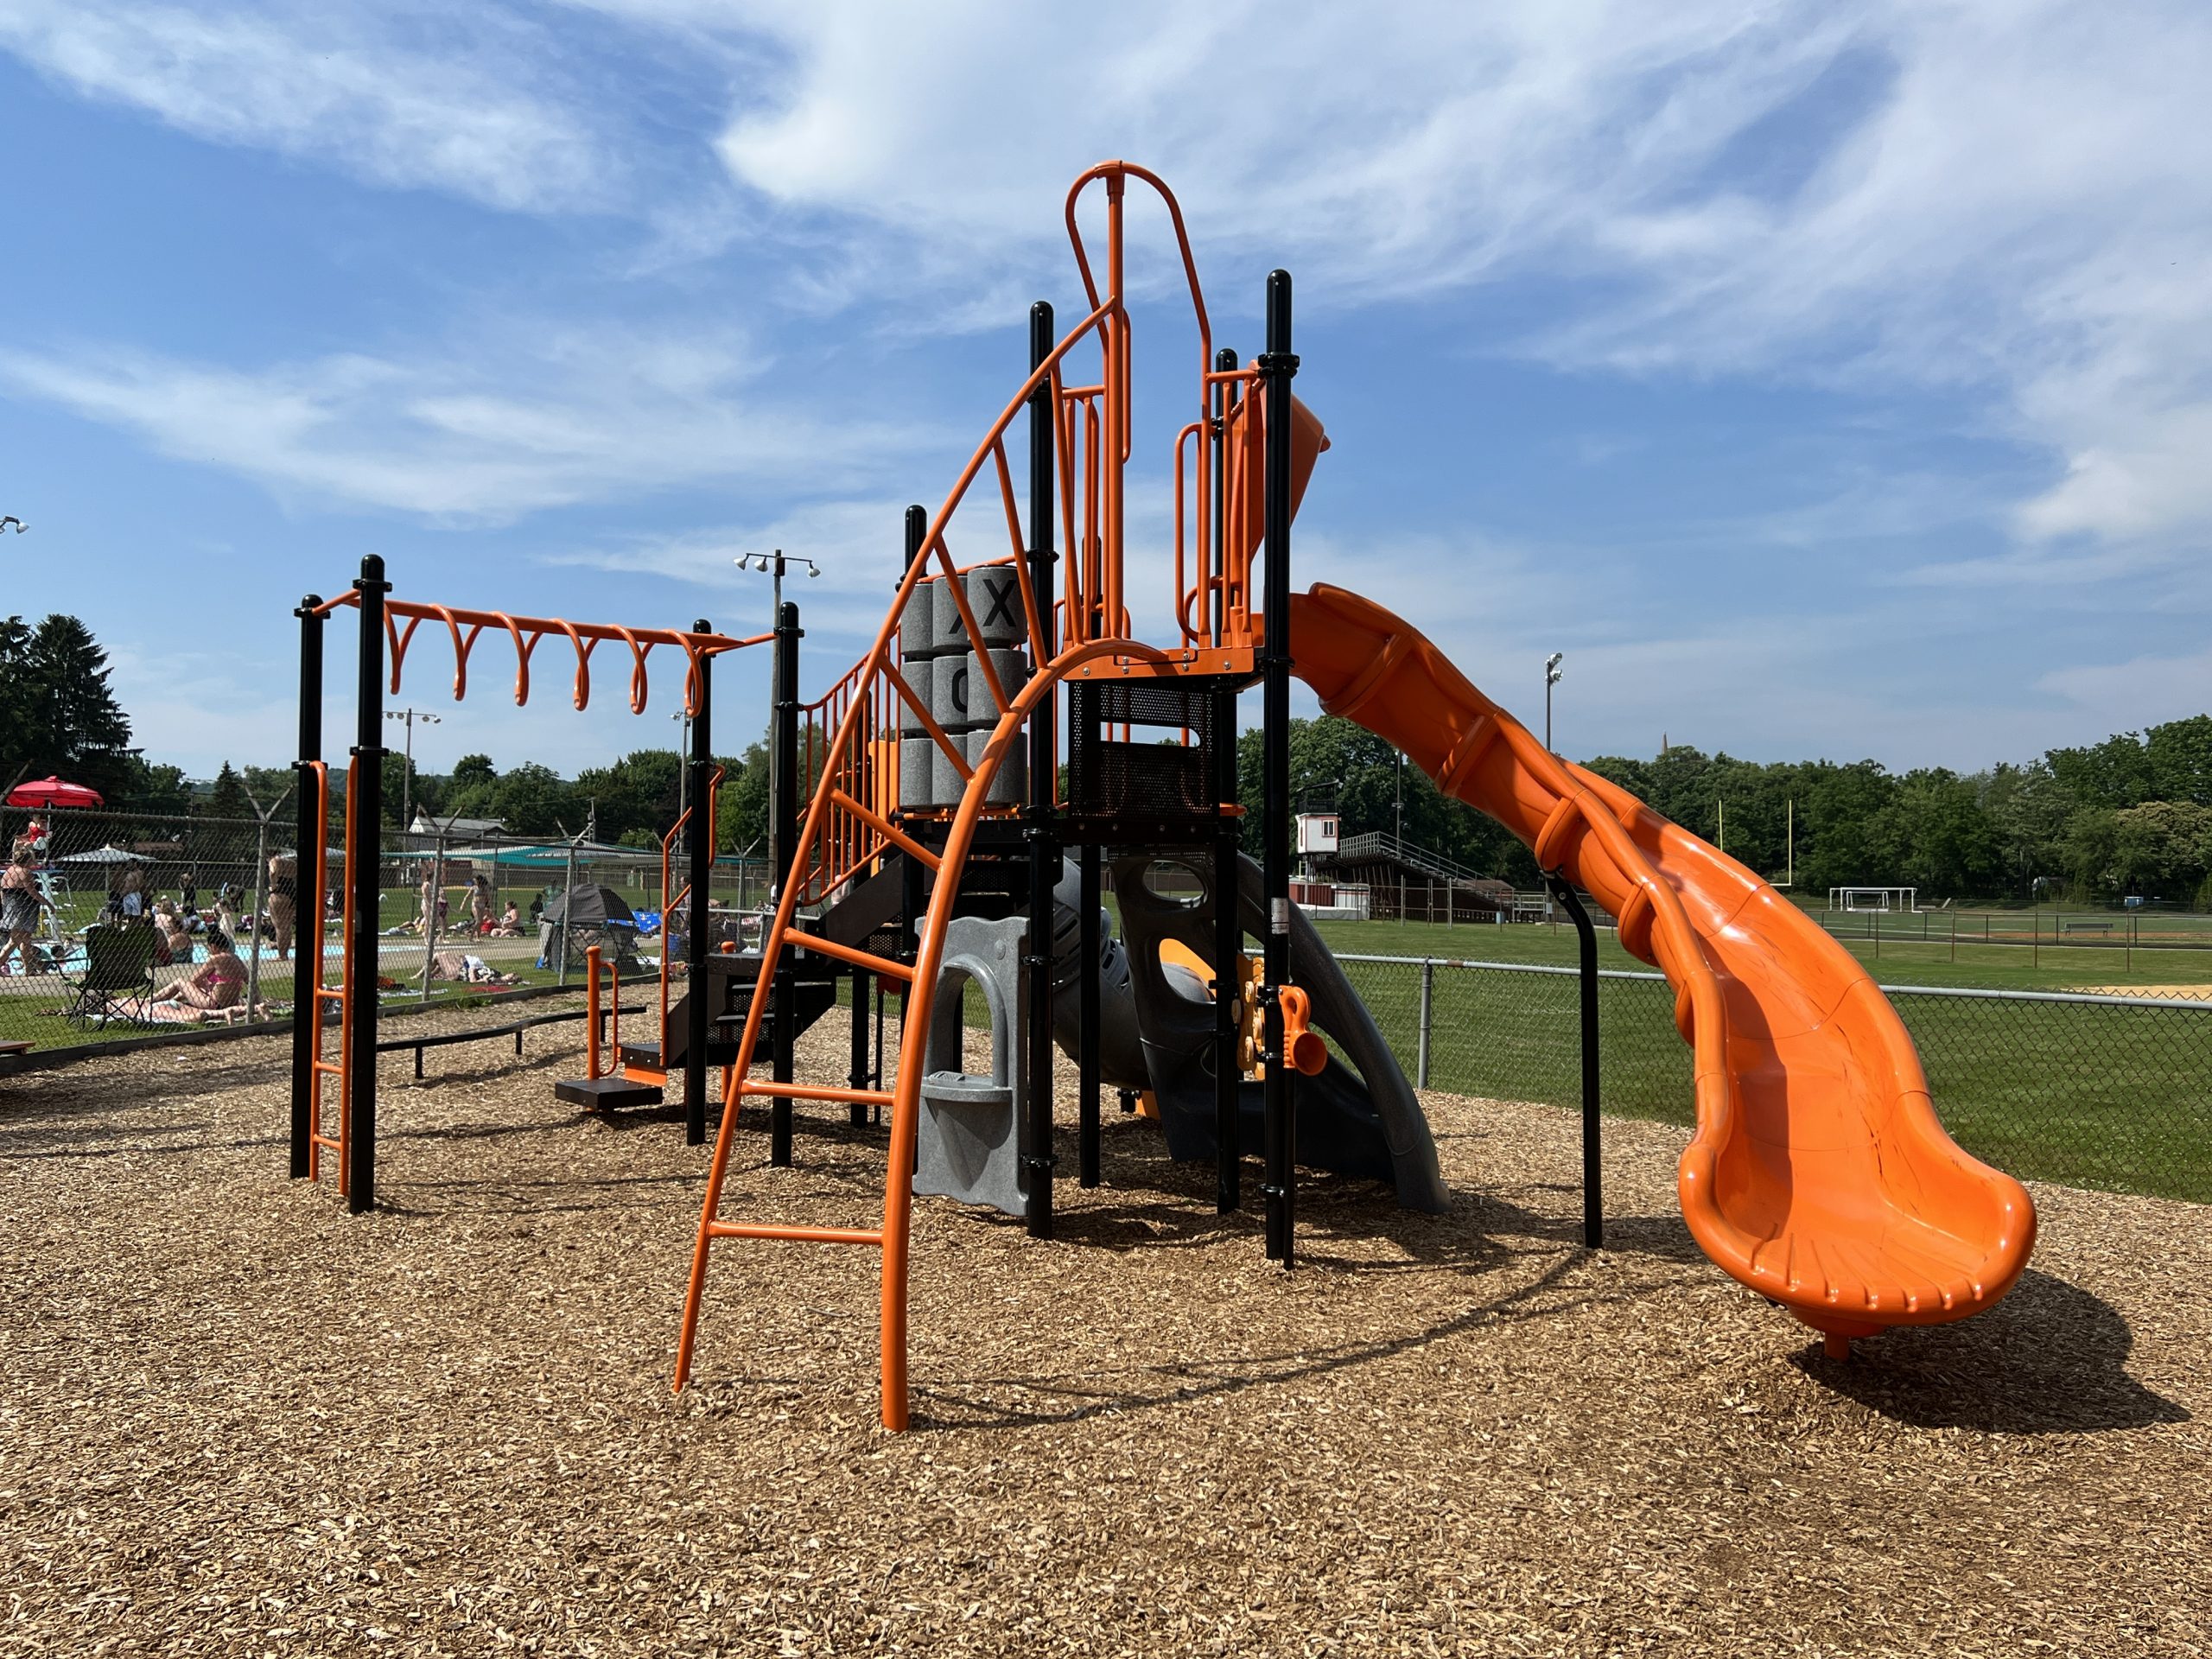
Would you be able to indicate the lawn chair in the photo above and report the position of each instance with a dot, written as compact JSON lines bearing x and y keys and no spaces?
{"x":118,"y":971}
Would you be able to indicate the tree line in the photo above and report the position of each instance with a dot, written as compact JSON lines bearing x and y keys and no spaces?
{"x":2130,"y":816}
{"x":60,"y":718}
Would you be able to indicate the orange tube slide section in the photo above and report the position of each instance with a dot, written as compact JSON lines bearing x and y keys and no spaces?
{"x":1818,"y":1174}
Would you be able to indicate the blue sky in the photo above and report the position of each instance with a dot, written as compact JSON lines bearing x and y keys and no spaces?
{"x":1822,"y":381}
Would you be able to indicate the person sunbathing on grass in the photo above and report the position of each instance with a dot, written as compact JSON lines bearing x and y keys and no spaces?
{"x":463,"y":969}
{"x":219,"y":985}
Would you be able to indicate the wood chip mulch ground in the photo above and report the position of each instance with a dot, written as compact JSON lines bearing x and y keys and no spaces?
{"x":234,"y":1421}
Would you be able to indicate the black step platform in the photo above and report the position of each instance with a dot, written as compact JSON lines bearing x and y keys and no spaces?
{"x":605,"y":1094}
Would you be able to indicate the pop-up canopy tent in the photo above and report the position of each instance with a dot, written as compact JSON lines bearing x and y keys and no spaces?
{"x":588,"y":903}
{"x":593,"y":914}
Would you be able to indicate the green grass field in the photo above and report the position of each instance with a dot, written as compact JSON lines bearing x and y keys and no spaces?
{"x":1893,"y":961}
{"x":2085,"y":1094}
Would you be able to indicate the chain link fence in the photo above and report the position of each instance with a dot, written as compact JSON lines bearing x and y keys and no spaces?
{"x":2087,"y":942}
{"x":119,"y":925}
{"x":2113,"y":1092}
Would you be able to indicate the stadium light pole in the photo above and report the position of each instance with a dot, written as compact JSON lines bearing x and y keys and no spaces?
{"x":1551,"y":679}
{"x":683,"y":767}
{"x":409,"y":717}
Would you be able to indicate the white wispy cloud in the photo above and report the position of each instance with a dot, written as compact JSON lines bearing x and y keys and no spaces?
{"x":469,"y":102}
{"x":2000,"y":202}
{"x":510,"y":426}
{"x":2001,"y":199}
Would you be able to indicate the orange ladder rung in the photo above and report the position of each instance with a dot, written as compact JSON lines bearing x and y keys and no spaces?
{"x":847,"y":953}
{"x":803,"y":1234}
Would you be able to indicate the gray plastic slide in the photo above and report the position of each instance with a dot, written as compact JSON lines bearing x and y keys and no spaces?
{"x":1157,"y":1033}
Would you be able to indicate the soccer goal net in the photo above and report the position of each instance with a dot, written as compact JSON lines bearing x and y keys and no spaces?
{"x":1879,"y":899}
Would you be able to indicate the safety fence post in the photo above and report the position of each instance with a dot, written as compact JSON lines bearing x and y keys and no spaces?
{"x":433,"y":890}
{"x":1427,"y":1002}
{"x":260,"y":904}
{"x":561,"y":938}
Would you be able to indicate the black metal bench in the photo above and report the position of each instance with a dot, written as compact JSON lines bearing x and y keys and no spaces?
{"x":452,"y":1038}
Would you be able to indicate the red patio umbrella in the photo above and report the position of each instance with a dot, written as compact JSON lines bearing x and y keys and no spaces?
{"x":52,"y":792}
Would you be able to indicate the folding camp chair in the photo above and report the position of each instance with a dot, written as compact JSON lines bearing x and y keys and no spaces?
{"x":118,"y":973}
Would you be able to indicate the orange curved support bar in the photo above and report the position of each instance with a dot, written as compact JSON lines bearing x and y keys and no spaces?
{"x":1818,"y":1174}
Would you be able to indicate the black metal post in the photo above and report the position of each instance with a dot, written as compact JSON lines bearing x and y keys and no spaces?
{"x":1276,"y":366}
{"x":875,"y":1076}
{"x":1044,"y":845}
{"x":307,"y":958}
{"x":1086,"y":1067}
{"x":367,"y":852}
{"x":1228,"y":946}
{"x":698,"y":941}
{"x":1593,"y":1202}
{"x":856,"y":1046}
{"x":784,"y":757}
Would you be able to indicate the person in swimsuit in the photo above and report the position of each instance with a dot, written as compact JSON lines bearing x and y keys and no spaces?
{"x":283,"y":899}
{"x":176,"y":943}
{"x":20,"y":900}
{"x":479,"y":905}
{"x":126,"y":899}
{"x":221,"y":983}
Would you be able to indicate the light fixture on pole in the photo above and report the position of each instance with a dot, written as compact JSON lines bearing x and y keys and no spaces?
{"x":774,"y":563}
{"x":1551,"y":679}
{"x":13,"y":522}
{"x":409,"y":717}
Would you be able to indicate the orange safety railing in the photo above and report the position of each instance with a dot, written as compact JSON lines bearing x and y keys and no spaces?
{"x":866,"y":780}
{"x":318,"y":994}
{"x":592,"y":1068}
{"x":849,"y":816}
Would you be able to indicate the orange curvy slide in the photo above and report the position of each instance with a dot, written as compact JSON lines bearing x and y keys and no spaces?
{"x":1818,"y":1174}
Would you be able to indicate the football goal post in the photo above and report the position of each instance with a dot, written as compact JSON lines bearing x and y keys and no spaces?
{"x":1873,"y":899}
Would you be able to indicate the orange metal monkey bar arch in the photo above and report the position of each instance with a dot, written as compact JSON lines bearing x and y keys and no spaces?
{"x":354,"y":1138}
